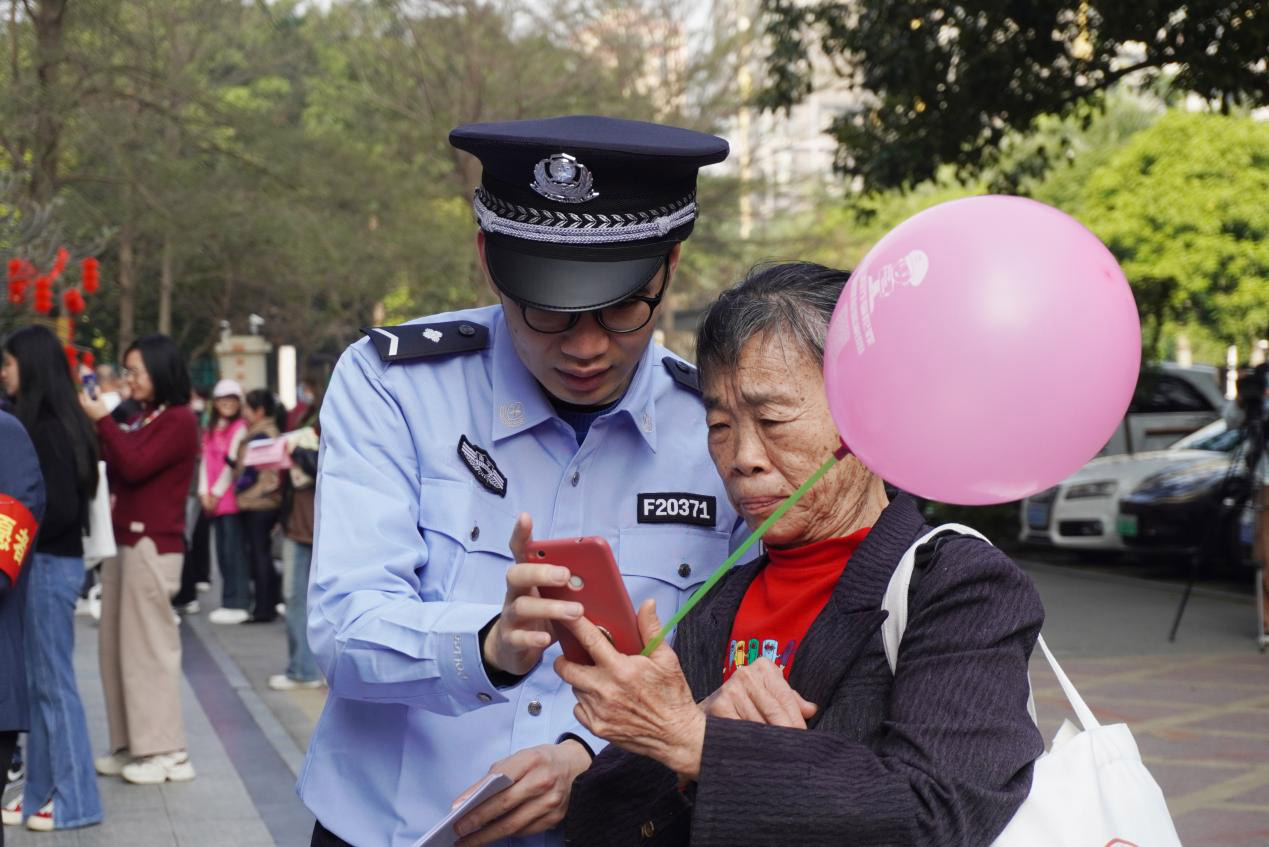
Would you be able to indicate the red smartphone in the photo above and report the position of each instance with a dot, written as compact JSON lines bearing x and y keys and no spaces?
{"x":595,"y":583}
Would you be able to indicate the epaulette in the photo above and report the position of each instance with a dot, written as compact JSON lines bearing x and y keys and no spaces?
{"x":683,"y":373}
{"x":421,"y":341}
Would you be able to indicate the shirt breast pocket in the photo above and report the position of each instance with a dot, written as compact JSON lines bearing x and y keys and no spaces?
{"x":668,"y":563}
{"x":467,"y":543}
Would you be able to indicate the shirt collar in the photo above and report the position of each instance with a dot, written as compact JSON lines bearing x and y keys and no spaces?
{"x":519,"y":403}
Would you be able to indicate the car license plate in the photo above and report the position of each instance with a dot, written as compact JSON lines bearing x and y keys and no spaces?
{"x":1038,"y":515}
{"x":1126,"y":526}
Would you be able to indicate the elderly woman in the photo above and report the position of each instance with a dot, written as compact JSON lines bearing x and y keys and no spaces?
{"x":775,"y":720}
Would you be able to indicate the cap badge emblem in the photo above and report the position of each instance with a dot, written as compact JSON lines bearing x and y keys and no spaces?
{"x":563,"y":179}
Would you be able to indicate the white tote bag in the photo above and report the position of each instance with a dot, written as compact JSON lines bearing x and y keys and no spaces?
{"x":1090,"y":789}
{"x":99,"y":541}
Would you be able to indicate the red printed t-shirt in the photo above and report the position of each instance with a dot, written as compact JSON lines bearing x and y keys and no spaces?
{"x":784,"y":599}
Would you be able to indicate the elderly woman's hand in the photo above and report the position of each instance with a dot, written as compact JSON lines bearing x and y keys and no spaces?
{"x":641,"y":704}
{"x":760,"y":693}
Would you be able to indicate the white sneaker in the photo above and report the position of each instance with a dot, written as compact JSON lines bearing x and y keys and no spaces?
{"x":41,"y":821}
{"x":165,"y":767}
{"x":282,"y":682}
{"x":229,"y":617}
{"x":190,"y":608}
{"x":113,"y":764}
{"x":202,"y":587}
{"x":280,"y":609}
{"x":11,"y":813}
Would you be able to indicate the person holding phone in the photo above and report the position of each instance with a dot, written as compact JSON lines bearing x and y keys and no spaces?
{"x":61,"y":789}
{"x":150,"y":461}
{"x":775,"y":719}
{"x":552,"y":414}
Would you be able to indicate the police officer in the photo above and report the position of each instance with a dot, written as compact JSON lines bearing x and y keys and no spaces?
{"x":549,"y":415}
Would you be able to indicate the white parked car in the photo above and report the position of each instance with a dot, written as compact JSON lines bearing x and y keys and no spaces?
{"x":1170,"y":401}
{"x":1081,"y":511}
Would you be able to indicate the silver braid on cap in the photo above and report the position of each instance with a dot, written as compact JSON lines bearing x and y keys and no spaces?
{"x":525,"y":222}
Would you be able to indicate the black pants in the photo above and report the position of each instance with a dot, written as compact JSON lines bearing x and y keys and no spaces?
{"x":323,"y":837}
{"x":8,"y":743}
{"x":267,"y":584}
{"x":197,"y":565}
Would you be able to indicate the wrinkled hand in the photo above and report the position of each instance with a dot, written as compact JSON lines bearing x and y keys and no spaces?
{"x":642,"y":704}
{"x":515,"y":643}
{"x":760,"y":693}
{"x":93,"y":407}
{"x":537,"y":799}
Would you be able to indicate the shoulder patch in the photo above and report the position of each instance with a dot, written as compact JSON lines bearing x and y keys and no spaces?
{"x":683,"y":373}
{"x":421,"y":341}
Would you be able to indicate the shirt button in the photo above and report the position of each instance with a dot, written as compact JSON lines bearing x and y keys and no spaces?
{"x":647,"y":830}
{"x":475,"y":533}
{"x":467,"y":330}
{"x":535,"y":707}
{"x":483,"y":697}
{"x":685,"y":570}
{"x":576,"y":476}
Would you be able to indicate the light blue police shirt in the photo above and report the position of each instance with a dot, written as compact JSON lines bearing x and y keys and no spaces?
{"x":410,"y":554}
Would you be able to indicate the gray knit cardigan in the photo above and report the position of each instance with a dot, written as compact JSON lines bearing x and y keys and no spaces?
{"x":938,"y":754}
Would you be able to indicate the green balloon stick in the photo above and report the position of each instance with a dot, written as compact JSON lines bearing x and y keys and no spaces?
{"x":731,"y":560}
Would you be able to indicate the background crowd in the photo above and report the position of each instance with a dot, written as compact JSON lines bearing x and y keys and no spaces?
{"x":139,"y":463}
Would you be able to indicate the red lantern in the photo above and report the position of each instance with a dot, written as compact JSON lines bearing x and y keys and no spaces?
{"x":90,"y":271}
{"x":73,"y":301}
{"x":59,"y":262}
{"x":71,"y":361}
{"x":88,"y":359}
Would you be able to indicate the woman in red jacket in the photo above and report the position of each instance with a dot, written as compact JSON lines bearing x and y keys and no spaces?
{"x":151,"y":465}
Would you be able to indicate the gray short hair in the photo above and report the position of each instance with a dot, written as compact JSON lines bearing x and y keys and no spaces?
{"x":794,"y":298}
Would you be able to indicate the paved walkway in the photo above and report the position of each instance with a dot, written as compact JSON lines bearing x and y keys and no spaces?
{"x":1199,"y":709}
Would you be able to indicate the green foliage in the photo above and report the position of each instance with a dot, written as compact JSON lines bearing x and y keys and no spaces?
{"x":947,"y":84}
{"x":1182,"y":207}
{"x":290,"y":159}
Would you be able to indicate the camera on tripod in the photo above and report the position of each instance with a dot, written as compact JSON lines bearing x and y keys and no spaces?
{"x":1250,"y":389}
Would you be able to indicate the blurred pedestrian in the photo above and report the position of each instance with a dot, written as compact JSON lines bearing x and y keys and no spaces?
{"x":259,"y":497}
{"x":150,"y":462}
{"x":196,"y":567}
{"x":61,"y":790}
{"x":20,"y":481}
{"x":216,"y":491}
{"x":297,"y":548}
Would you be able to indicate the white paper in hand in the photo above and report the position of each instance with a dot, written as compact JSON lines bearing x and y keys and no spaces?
{"x":443,"y":835}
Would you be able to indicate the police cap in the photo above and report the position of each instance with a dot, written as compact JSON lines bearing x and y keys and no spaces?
{"x":580,"y":212}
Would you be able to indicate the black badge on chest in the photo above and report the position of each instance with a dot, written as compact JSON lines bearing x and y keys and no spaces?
{"x":678,"y":507}
{"x":482,"y":466}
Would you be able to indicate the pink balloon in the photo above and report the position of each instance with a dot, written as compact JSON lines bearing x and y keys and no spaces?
{"x":982,"y":351}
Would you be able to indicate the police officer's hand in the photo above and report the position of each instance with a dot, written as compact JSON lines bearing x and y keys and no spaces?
{"x":537,"y":799}
{"x":515,"y":642}
{"x":760,"y":693}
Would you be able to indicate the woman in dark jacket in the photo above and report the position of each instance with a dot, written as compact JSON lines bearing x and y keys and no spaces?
{"x":61,"y":789}
{"x":20,"y":480}
{"x":776,"y":720}
{"x":151,"y":465}
{"x":258,"y":493}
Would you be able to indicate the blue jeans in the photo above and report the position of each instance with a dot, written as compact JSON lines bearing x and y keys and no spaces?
{"x":231,"y":555}
{"x":59,"y":756}
{"x":300,"y":666}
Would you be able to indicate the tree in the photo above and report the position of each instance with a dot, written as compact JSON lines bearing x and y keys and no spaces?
{"x":1182,"y":207}
{"x":947,"y":83}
